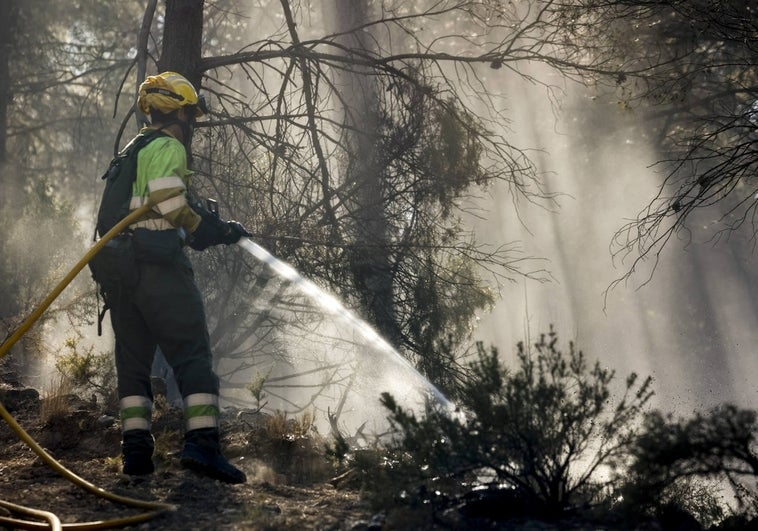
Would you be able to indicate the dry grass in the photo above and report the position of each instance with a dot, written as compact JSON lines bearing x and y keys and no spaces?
{"x":279,"y":427}
{"x":293,"y":447}
{"x":55,"y":401}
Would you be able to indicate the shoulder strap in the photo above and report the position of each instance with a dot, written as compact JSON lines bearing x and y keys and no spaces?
{"x":136,"y":143}
{"x":142,"y":139}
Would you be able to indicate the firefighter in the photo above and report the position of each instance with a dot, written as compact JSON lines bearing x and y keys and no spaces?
{"x":164,"y":308}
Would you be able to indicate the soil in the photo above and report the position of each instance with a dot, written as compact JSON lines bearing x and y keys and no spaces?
{"x":289,"y":482}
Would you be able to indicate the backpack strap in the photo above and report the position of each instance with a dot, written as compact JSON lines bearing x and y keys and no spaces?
{"x":138,"y":142}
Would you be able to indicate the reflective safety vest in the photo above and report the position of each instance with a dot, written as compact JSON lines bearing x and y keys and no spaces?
{"x":162,"y":179}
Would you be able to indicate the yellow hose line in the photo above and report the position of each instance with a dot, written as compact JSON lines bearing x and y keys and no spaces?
{"x":53,"y":522}
{"x":15,"y":523}
{"x":115,"y":523}
{"x":156,"y":508}
{"x":35,"y":315}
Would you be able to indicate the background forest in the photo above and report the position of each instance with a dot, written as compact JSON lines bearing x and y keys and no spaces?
{"x":358,"y":141}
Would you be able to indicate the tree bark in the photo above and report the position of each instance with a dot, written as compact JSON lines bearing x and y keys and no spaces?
{"x":8,"y":19}
{"x":183,"y":39}
{"x":372,"y":270}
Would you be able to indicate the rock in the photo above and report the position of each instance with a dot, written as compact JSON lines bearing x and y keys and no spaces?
{"x":377,"y":521}
{"x":349,"y":479}
{"x":15,"y":399}
{"x":105,"y":421}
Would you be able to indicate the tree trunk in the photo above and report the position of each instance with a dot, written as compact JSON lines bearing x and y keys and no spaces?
{"x":8,"y":18}
{"x":372,"y":272}
{"x":183,"y":39}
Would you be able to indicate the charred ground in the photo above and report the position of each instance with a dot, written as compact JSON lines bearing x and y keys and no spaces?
{"x":288,"y":475}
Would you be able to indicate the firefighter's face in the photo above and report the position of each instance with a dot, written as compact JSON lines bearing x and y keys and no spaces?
{"x":187,"y":116}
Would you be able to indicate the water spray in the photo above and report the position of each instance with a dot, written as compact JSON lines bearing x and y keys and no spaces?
{"x":333,"y":306}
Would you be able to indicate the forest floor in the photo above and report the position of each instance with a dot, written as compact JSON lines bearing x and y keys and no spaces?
{"x":288,"y":483}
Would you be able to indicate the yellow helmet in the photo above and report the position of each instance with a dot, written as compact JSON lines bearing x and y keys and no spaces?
{"x":168,"y":92}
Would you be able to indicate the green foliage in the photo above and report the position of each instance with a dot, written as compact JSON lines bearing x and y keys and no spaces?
{"x":255,"y":387}
{"x":545,"y":430}
{"x":338,"y":448}
{"x":432,"y":161}
{"x":719,"y":445}
{"x":446,"y":293}
{"x":452,"y":154}
{"x":88,"y":372}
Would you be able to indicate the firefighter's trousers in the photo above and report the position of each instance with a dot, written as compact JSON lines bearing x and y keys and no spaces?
{"x":165,"y":309}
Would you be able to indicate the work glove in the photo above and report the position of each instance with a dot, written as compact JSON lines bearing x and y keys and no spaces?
{"x":235,"y":232}
{"x":207,"y":234}
{"x":213,"y":231}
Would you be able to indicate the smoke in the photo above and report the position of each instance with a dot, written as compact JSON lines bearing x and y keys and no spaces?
{"x":40,"y":242}
{"x":688,"y":320}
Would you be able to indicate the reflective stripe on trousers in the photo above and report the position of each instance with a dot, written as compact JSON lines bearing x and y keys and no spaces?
{"x":136,"y":413}
{"x":201,"y":411}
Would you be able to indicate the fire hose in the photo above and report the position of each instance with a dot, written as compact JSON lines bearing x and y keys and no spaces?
{"x":45,"y":519}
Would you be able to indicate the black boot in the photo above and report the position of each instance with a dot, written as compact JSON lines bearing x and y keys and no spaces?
{"x":137,"y":452}
{"x":202,"y":453}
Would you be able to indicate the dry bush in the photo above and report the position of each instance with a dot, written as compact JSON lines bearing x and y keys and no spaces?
{"x":89,"y":373}
{"x":55,"y":402}
{"x":293,"y":447}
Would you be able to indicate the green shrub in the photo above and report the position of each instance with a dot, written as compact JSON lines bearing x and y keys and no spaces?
{"x":89,"y":373}
{"x":672,"y":460}
{"x":547,"y":439}
{"x":541,"y":435}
